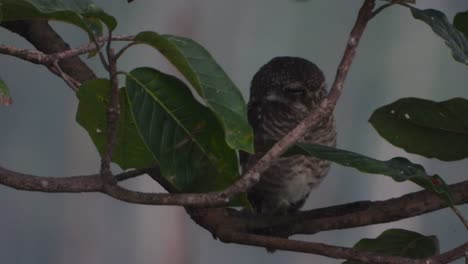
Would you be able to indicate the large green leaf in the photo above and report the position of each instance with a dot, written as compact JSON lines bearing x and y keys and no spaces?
{"x":439,"y":23}
{"x":400,"y":242}
{"x":211,"y":83}
{"x":82,"y":13}
{"x":130,"y":151}
{"x":431,"y":129}
{"x":400,"y":169}
{"x":184,"y":136}
{"x":5,"y":98}
{"x":460,"y":21}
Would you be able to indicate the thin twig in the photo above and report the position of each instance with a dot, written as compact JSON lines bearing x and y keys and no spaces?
{"x":101,"y":56}
{"x":113,"y":113}
{"x":72,"y":83}
{"x":33,"y":56}
{"x":380,"y":9}
{"x":51,"y":60}
{"x":38,"y":57}
{"x":460,"y":216}
{"x":132,"y":174}
{"x":123,"y":49}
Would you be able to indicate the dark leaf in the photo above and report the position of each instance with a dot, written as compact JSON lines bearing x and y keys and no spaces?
{"x":82,"y":13}
{"x":184,"y":136}
{"x":5,"y":98}
{"x":130,"y":151}
{"x":400,"y":169}
{"x":211,"y":83}
{"x":428,"y":128}
{"x":460,"y":21}
{"x":439,"y":23}
{"x":399,"y":242}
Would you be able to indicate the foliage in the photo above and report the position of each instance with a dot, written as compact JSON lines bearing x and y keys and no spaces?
{"x":195,"y":139}
{"x":425,"y":127}
{"x":5,"y":98}
{"x":400,"y":242}
{"x":130,"y":151}
{"x":190,"y":148}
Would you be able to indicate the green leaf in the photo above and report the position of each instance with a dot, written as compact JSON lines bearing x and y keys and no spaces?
{"x":400,"y":169}
{"x":77,"y":12}
{"x":428,"y":128}
{"x":460,"y":21}
{"x":400,"y":242}
{"x":184,"y":136}
{"x":439,"y":23}
{"x":130,"y":151}
{"x":5,"y":98}
{"x":211,"y":83}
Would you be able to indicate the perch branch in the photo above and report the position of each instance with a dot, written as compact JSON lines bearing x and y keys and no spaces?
{"x":306,"y":222}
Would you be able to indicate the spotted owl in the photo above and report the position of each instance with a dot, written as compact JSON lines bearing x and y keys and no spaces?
{"x":283,"y":92}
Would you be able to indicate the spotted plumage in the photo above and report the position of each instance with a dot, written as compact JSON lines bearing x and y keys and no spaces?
{"x":282,"y":93}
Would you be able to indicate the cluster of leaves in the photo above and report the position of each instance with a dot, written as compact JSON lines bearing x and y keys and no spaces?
{"x":195,"y":139}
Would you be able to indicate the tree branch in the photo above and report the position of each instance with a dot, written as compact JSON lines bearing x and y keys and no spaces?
{"x":112,"y":117}
{"x":45,"y":39}
{"x":132,"y":173}
{"x":38,"y":57}
{"x":356,"y":214}
{"x":307,"y":222}
{"x":450,"y":255}
{"x":335,"y":252}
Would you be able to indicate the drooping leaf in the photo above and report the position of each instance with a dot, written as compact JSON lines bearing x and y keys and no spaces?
{"x":5,"y":98}
{"x":400,"y":169}
{"x":400,"y":242}
{"x":130,"y":151}
{"x":184,"y":136}
{"x":211,"y":83}
{"x":439,"y":23}
{"x":424,"y":127}
{"x":460,"y":21}
{"x":82,"y":13}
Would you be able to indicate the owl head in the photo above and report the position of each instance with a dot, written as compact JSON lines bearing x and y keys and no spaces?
{"x":291,"y":82}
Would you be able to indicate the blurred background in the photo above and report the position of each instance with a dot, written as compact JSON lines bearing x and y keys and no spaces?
{"x":398,"y":57}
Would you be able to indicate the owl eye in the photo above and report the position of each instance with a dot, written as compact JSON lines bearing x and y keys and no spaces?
{"x":297,"y":89}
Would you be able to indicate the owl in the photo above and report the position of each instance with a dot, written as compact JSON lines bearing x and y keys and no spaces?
{"x":282,"y":93}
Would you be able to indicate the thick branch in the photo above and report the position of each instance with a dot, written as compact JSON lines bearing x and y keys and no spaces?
{"x":336,"y":252}
{"x":46,"y":40}
{"x":307,"y":222}
{"x":314,"y":248}
{"x":344,"y":216}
